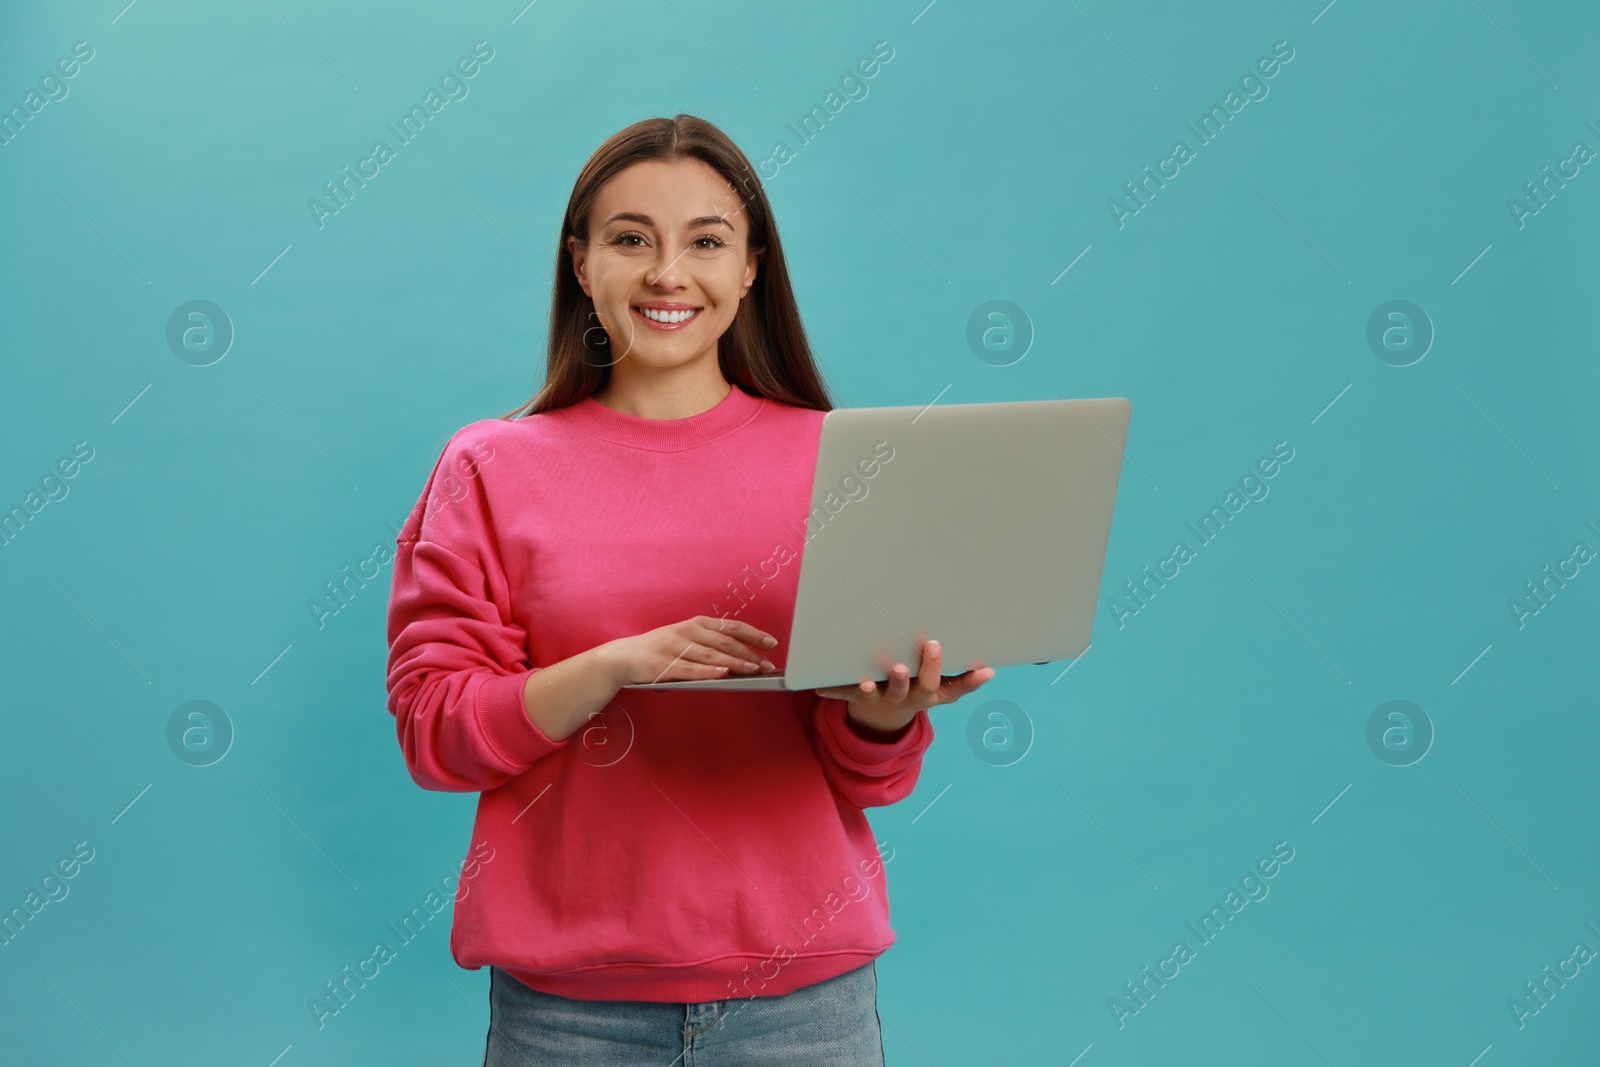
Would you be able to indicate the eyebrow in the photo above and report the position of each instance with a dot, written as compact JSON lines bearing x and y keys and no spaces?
{"x":646,"y":220}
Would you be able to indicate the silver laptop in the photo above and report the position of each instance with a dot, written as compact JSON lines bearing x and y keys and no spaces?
{"x":985,"y":527}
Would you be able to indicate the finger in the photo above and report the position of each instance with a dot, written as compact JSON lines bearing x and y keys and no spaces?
{"x":702,"y":653}
{"x":723,"y":643}
{"x":962,"y":684}
{"x":854,"y":691}
{"x":735,"y":647}
{"x":732,"y":647}
{"x":928,"y":676}
{"x":899,"y":683}
{"x":688,"y":665}
{"x":757,"y":639}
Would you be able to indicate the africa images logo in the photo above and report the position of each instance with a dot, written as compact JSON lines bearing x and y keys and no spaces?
{"x":452,"y":86}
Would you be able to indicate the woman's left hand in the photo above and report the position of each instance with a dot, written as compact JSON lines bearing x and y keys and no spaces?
{"x":888,"y":708}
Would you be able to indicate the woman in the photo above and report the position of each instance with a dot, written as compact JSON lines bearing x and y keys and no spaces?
{"x":669,"y":875}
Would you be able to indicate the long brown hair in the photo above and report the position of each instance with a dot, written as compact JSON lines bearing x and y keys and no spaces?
{"x":764,"y":351}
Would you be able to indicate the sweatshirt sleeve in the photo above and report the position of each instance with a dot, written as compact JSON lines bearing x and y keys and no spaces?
{"x":866,"y":773}
{"x":458,"y":659}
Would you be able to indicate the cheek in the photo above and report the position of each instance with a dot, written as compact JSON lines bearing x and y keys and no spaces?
{"x":726,"y":308}
{"x":611,"y":274}
{"x":724,"y":285}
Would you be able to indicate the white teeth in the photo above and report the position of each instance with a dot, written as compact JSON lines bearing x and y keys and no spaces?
{"x":666,"y":316}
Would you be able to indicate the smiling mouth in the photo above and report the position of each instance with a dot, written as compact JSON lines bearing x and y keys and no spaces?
{"x":661,"y":319}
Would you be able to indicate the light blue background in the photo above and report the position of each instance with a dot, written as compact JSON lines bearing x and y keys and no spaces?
{"x":1227,"y":716}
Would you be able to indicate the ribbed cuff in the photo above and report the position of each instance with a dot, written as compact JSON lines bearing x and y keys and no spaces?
{"x":874,"y":758}
{"x":505,"y":722}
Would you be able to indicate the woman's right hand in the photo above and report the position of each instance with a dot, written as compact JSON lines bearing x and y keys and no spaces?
{"x":694,"y":649}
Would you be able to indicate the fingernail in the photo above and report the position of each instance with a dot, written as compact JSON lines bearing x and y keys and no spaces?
{"x":933,"y":648}
{"x":769,"y":641}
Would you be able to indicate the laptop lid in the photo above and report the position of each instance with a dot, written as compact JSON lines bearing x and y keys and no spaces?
{"x":982,"y":525}
{"x":986,"y":527}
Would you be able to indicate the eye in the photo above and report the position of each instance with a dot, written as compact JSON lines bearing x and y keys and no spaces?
{"x":623,"y":238}
{"x":715,"y":242}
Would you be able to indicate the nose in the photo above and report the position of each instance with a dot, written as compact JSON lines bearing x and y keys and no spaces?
{"x":666,"y":271}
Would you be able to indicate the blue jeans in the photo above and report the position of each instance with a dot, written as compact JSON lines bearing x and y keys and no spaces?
{"x":834,"y":1022}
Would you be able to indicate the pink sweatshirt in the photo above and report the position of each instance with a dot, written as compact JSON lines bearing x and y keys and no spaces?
{"x":690,"y":846}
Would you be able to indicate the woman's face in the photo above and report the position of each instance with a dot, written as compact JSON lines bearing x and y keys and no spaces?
{"x":667,"y":241}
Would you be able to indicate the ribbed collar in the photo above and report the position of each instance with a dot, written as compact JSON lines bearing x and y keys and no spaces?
{"x":664,"y":435}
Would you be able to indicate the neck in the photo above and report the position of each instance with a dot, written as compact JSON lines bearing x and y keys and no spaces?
{"x":665,"y":392}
